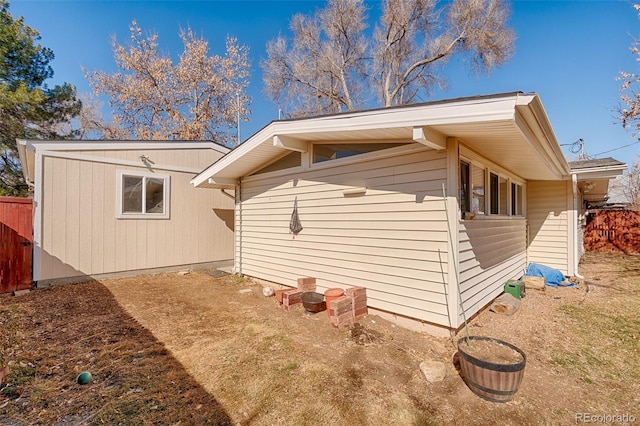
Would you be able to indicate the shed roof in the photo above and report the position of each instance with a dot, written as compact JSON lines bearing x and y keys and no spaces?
{"x":28,"y":147}
{"x":510,"y":129}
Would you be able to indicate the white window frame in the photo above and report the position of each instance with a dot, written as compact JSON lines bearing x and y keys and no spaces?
{"x":490,"y":168}
{"x":482,"y":210}
{"x":507,"y":199}
{"x":144,"y":175}
{"x":402,"y":145}
{"x":514,"y":199}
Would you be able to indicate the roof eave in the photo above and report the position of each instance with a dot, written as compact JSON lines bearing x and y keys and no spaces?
{"x":604,"y":172}
{"x":408,"y":116}
{"x":523,"y":111}
{"x":26,"y":153}
{"x":545,"y":139}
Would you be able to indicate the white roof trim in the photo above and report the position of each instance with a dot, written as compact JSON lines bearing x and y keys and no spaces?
{"x":27,"y":148}
{"x":117,"y":145}
{"x":603,"y":172}
{"x":521,"y":113}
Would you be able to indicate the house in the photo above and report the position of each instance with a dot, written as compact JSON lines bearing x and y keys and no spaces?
{"x":594,"y":176}
{"x":431,"y":207}
{"x":104,"y":209}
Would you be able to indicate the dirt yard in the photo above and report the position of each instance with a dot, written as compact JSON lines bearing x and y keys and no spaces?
{"x":198,"y":349}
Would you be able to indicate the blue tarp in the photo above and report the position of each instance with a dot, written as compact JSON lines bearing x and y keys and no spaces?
{"x":552,"y":277}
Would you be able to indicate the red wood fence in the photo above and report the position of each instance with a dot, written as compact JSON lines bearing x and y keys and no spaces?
{"x":16,"y":228}
{"x":613,"y":231}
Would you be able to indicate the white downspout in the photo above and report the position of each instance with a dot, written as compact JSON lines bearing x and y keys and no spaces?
{"x":453,"y":218}
{"x":237,"y":248}
{"x":575,"y":223}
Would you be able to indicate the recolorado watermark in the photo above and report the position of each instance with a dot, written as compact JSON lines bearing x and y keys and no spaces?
{"x":605,"y":418}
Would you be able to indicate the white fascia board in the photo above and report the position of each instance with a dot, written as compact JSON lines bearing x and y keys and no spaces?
{"x":27,"y":159}
{"x":486,"y":110}
{"x":606,"y":172}
{"x":535,"y":128}
{"x":549,"y":142}
{"x":116,"y":145}
{"x":458,"y":112}
{"x":222,"y":182}
{"x":263,"y":136}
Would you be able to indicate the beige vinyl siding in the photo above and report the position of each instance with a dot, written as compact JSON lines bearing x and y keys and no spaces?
{"x":549,"y":223}
{"x":491,"y":252}
{"x":393,"y":240}
{"x":82,"y":237}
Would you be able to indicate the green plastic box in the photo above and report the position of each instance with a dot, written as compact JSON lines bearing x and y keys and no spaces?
{"x":515,"y":288}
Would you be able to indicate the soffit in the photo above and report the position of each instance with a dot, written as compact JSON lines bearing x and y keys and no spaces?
{"x":496,"y":130}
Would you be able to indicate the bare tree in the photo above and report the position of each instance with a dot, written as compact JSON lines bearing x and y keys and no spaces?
{"x":200,"y":97}
{"x":324,"y":70}
{"x":331,"y":66}
{"x":629,"y":113}
{"x":90,"y":122}
{"x":630,"y":185}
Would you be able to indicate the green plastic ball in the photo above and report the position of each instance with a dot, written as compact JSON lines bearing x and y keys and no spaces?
{"x":84,"y":378}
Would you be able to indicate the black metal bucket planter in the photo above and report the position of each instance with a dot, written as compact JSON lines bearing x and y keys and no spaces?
{"x":313,"y":302}
{"x":491,"y":379}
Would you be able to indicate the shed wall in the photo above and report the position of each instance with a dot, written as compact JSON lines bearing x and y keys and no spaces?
{"x":548,"y":206}
{"x":393,"y":240}
{"x":197,"y":159}
{"x":80,"y":235}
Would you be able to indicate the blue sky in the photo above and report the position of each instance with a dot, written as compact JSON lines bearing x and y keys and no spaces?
{"x":569,"y":52}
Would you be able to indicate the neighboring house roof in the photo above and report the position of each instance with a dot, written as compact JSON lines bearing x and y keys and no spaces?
{"x":27,"y":149}
{"x":595,"y":162}
{"x":510,"y":129}
{"x":593,"y":176}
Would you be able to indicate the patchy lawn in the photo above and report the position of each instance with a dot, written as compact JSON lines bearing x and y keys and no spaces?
{"x":192,"y":349}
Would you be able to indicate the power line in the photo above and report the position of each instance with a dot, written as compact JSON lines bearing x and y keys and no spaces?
{"x":615,"y":149}
{"x":577,"y":147}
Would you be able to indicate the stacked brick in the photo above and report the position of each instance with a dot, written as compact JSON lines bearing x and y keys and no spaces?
{"x":349,"y":308}
{"x":358,"y":297}
{"x":307,"y":284}
{"x":292,"y":298}
{"x":341,"y":312}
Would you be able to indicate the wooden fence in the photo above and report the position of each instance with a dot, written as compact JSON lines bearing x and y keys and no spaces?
{"x":15,"y":243}
{"x":613,"y":231}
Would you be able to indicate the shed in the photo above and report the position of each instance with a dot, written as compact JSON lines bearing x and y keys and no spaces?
{"x":410,"y":202}
{"x":103,"y":208}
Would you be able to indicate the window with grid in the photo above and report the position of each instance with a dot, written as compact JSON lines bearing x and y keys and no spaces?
{"x":142,"y":195}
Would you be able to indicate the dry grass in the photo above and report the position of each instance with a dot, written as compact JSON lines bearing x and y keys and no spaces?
{"x":192,"y":349}
{"x":68,"y":329}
